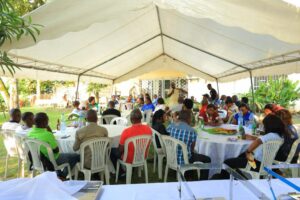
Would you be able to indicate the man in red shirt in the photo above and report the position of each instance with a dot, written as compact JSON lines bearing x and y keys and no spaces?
{"x":136,"y":129}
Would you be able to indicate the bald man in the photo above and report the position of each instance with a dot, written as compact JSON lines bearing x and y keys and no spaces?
{"x":91,"y":131}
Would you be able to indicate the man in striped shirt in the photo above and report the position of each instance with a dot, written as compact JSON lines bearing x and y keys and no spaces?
{"x":182,"y":131}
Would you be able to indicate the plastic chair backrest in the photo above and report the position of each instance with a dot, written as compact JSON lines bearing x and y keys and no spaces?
{"x":10,"y":142}
{"x":293,"y":151}
{"x":119,"y":121}
{"x":35,"y":150}
{"x":107,"y":118}
{"x":171,"y":145}
{"x":141,"y":146}
{"x":21,"y":146}
{"x":99,"y":152}
{"x":147,"y":114}
{"x":159,"y":136}
{"x":270,"y":149}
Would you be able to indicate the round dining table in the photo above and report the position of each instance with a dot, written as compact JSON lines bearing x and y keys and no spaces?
{"x":66,"y":140}
{"x":220,"y":147}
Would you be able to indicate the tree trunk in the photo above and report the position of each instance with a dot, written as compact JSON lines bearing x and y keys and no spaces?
{"x":14,"y":94}
{"x":4,"y":92}
{"x":38,"y":89}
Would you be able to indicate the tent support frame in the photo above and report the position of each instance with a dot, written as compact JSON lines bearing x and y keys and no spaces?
{"x":217,"y":81}
{"x":252,"y":91}
{"x":77,"y":87}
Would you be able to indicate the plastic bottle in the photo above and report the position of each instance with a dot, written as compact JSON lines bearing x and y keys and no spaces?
{"x":63,"y":123}
{"x":80,"y":121}
{"x":252,"y":125}
{"x":240,"y":120}
{"x":201,"y":124}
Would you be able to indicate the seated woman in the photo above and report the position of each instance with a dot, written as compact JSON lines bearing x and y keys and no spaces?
{"x":202,"y":111}
{"x":274,"y":129}
{"x":160,"y":104}
{"x":158,"y":120}
{"x":148,"y":104}
{"x":289,"y":138}
{"x":212,"y":118}
{"x":231,"y":109}
{"x":92,"y":104}
{"x":246,"y":112}
{"x":76,"y":111}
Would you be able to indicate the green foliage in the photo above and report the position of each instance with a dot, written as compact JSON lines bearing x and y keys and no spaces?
{"x":282,"y":91}
{"x":25,"y":6}
{"x":95,"y":87}
{"x":13,"y":26}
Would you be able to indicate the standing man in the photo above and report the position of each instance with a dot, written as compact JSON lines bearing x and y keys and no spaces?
{"x":174,"y":94}
{"x":213,"y":93}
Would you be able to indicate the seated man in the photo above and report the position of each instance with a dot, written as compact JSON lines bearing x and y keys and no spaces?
{"x":148,"y":104}
{"x":91,"y":131}
{"x":14,"y":122}
{"x":188,"y":105}
{"x":136,"y":129}
{"x":111,"y":110}
{"x":247,"y":114}
{"x":185,"y":133}
{"x":231,"y":109}
{"x":213,"y":118}
{"x":39,"y":132}
{"x":177,"y":107}
{"x":28,"y":119}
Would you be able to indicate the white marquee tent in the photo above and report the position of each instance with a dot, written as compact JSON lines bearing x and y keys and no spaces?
{"x":110,"y":41}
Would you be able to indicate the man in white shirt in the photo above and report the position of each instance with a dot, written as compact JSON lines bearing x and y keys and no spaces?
{"x":14,"y":122}
{"x":28,"y":119}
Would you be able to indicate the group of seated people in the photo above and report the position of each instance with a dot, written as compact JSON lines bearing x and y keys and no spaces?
{"x":177,"y":121}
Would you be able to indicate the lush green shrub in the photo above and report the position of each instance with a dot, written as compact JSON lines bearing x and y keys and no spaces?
{"x":281,"y":91}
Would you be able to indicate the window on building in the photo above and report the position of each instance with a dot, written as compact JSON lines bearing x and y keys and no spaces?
{"x":263,"y":79}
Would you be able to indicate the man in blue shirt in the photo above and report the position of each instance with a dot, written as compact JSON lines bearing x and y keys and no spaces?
{"x":247,"y":114}
{"x":148,"y":104}
{"x":185,"y":133}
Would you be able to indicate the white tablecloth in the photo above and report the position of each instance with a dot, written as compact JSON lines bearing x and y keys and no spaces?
{"x":169,"y":191}
{"x":218,"y":148}
{"x":66,"y":144}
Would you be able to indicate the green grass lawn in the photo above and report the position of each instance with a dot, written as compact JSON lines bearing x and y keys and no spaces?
{"x":54,"y":114}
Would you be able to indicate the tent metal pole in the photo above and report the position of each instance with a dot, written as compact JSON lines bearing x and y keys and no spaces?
{"x":252,"y":91}
{"x":77,"y":88}
{"x":218,"y":86}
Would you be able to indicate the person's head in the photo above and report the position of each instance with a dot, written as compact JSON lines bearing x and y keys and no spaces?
{"x":185,"y":116}
{"x":223,"y":97}
{"x":76,"y":104}
{"x":244,"y":108}
{"x":285,"y":116}
{"x":180,"y":100}
{"x":28,"y":119}
{"x":136,"y":116}
{"x":188,"y":104}
{"x":209,"y":86}
{"x":211,"y":109}
{"x":229,"y":102}
{"x":193,"y":98}
{"x":41,"y":120}
{"x":160,"y":101}
{"x":91,"y":116}
{"x":148,"y":100}
{"x":205,"y":96}
{"x":274,"y":124}
{"x":91,"y":100}
{"x":159,"y":117}
{"x":245,"y":100}
{"x":140,"y":101}
{"x":268,"y":109}
{"x":111,"y":104}
{"x":15,"y":115}
{"x":173,"y":85}
{"x":155,"y":96}
{"x":235,"y":98}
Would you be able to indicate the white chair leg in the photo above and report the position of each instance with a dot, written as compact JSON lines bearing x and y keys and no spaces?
{"x":295,"y":172}
{"x":117,"y":171}
{"x":146,"y":171}
{"x":198,"y":173}
{"x":87,"y":175}
{"x":69,"y":172}
{"x":22,"y":168}
{"x":154,"y":162}
{"x":160,"y":166}
{"x":76,"y":173}
{"x":6,"y":164}
{"x":107,"y":175}
{"x":140,"y":172}
{"x":19,"y":168}
{"x":128,"y":174}
{"x":102,"y":176}
{"x":166,"y":173}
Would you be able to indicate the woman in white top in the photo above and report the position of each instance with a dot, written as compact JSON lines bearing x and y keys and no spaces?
{"x":28,"y":119}
{"x":274,"y":130}
{"x":160,"y":105}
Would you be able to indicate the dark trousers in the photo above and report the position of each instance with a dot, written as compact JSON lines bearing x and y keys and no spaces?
{"x":71,"y":158}
{"x":114,"y":156}
{"x":201,"y":158}
{"x":235,"y":163}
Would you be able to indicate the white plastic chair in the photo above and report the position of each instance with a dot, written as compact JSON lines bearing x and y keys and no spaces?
{"x":147,"y":116}
{"x":35,"y":151}
{"x":141,"y":146}
{"x":290,"y":157}
{"x":159,"y":153}
{"x":99,"y":156}
{"x":10,"y":143}
{"x":171,"y":145}
{"x":269,"y":152}
{"x":22,"y":151}
{"x":119,"y":121}
{"x":107,"y":119}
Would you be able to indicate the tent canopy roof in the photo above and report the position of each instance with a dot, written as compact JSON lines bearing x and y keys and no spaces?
{"x":112,"y":41}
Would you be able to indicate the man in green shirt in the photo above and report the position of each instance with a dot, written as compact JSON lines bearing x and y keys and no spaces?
{"x":40,"y":132}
